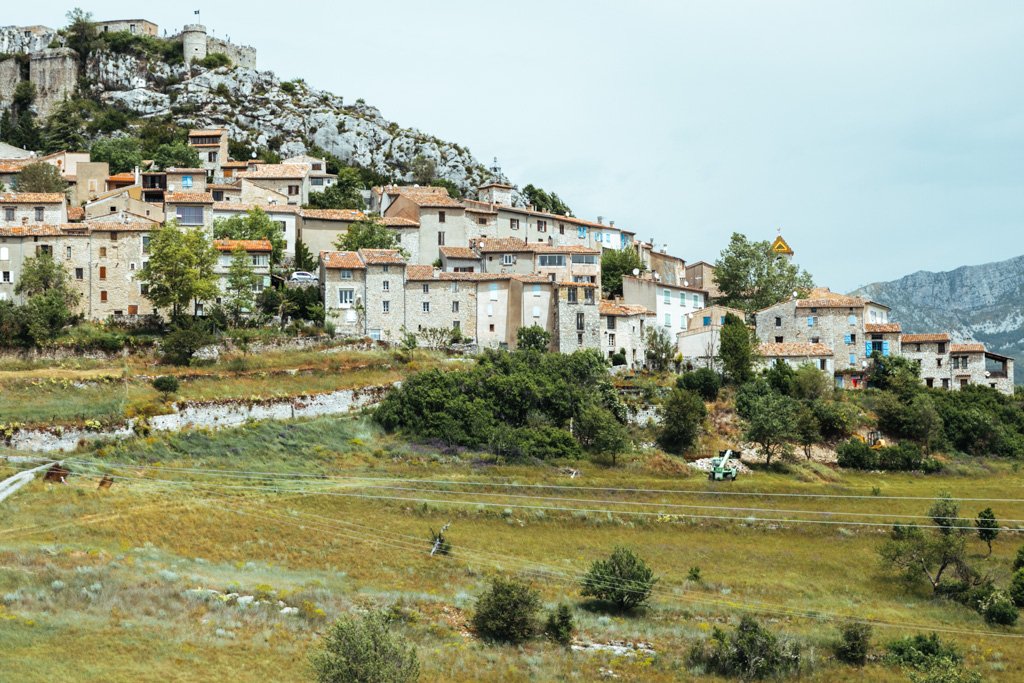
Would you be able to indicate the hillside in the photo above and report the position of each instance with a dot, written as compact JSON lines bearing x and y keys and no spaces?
{"x":982,"y":302}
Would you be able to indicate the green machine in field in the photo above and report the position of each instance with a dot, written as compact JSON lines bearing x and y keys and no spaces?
{"x":721,"y":469}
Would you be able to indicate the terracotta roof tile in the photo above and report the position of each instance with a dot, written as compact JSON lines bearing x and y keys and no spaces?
{"x":349,"y":260}
{"x":381,"y":257}
{"x":31,"y":198}
{"x":274,"y":171}
{"x":333,"y":214}
{"x":794,"y":350}
{"x":562,"y":249}
{"x":424,"y":196}
{"x":248,"y":245}
{"x":245,"y":207}
{"x":925,"y":338}
{"x":572,"y":220}
{"x":882,"y":327}
{"x":31,"y":231}
{"x":55,"y":230}
{"x":419,"y":273}
{"x":503,"y":244}
{"x":612,"y":308}
{"x":76,"y":213}
{"x":822,"y":297}
{"x":458,"y":252}
{"x":972,"y":347}
{"x":206,"y":131}
{"x":188,"y":198}
{"x":399,"y":222}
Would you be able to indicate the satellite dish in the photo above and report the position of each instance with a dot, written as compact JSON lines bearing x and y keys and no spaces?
{"x":794,"y":294}
{"x":864,"y":364}
{"x":254,"y":154}
{"x":636,"y":271}
{"x":686,"y":283}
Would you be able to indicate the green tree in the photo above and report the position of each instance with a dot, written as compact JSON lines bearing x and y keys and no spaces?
{"x":18,"y":125}
{"x":80,"y":34}
{"x":614,"y":264}
{"x":750,"y":652}
{"x":660,"y":348}
{"x":560,"y":626}
{"x":544,"y":201}
{"x":1016,"y":588}
{"x":810,"y":383}
{"x":241,"y":282}
{"x":345,"y":193}
{"x":736,"y":346}
{"x":166,"y":385}
{"x":808,"y":429}
{"x":361,"y":650}
{"x":682,"y":414}
{"x":599,"y":432}
{"x":705,"y":381}
{"x":50,"y":298}
{"x":751,"y":277}
{"x":854,"y":644}
{"x":898,"y":374}
{"x":122,"y":154}
{"x":533,"y":338}
{"x":304,"y":260}
{"x":917,"y":555}
{"x":507,"y":612}
{"x":367,"y":234}
{"x":256,"y":224}
{"x":39,"y":177}
{"x":46,"y":315}
{"x":424,"y":170}
{"x":176,"y":155}
{"x":771,"y":423}
{"x":623,"y":580}
{"x":988,"y":527}
{"x":64,"y":129}
{"x":180,"y":269}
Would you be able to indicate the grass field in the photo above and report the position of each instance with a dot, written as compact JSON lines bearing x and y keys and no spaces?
{"x":95,"y":585}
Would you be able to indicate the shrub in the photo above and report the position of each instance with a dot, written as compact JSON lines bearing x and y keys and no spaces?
{"x":559,"y":626}
{"x":533,"y":338}
{"x":600,"y":433}
{"x":507,"y":612}
{"x":166,"y":384}
{"x":681,"y":416}
{"x":854,"y":643}
{"x":751,"y":651}
{"x":1016,"y":589}
{"x":623,"y":580}
{"x":834,"y":419}
{"x":943,"y":671}
{"x":182,"y":342}
{"x":704,"y":382}
{"x":214,"y":60}
{"x":999,"y":609}
{"x":1018,"y":561}
{"x":903,"y":457}
{"x":359,"y":650}
{"x":918,"y":650}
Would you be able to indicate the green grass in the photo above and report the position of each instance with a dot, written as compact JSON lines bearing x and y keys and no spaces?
{"x":146,"y":545}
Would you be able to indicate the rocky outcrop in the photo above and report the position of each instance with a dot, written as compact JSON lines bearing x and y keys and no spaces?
{"x":983,"y":303}
{"x":259,"y":109}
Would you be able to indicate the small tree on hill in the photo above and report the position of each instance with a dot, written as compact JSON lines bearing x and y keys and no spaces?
{"x":682,"y":414}
{"x":599,"y":432}
{"x":507,"y":612}
{"x":39,"y":177}
{"x":808,"y":429}
{"x":736,"y":350}
{"x":304,"y":260}
{"x":241,"y":281}
{"x":751,"y":277}
{"x":988,"y":527}
{"x":917,"y":555}
{"x":367,"y":234}
{"x":771,"y":423}
{"x":362,"y":650}
{"x":345,"y":193}
{"x":180,"y":268}
{"x":533,"y":338}
{"x":50,"y":298}
{"x":256,"y":224}
{"x":424,"y":170}
{"x":614,"y":264}
{"x":660,"y":348}
{"x":623,"y":580}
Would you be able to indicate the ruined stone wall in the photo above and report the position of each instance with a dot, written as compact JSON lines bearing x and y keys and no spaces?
{"x":240,"y":55}
{"x":10,"y":76}
{"x":55,"y":75}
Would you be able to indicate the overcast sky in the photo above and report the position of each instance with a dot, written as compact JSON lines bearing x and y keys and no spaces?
{"x":881,"y":137}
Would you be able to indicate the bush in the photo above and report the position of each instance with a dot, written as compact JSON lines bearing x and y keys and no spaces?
{"x":834,"y":419}
{"x":559,"y":626}
{"x":999,"y":609}
{"x":1018,"y":561}
{"x":750,"y":652}
{"x":88,"y":337}
{"x":918,"y":650}
{"x":533,"y":338}
{"x":214,"y":60}
{"x":1016,"y":589}
{"x":182,"y":342}
{"x":704,"y":382}
{"x":166,"y":384}
{"x":943,"y":671}
{"x":361,"y":650}
{"x":904,"y":457}
{"x":507,"y":612}
{"x":854,"y":644}
{"x":600,"y":433}
{"x":623,"y":580}
{"x":681,"y":416}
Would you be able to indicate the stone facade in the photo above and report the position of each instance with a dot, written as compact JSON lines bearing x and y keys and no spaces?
{"x":32,"y":208}
{"x":577,"y":317}
{"x":673,"y":305}
{"x":54,"y":71}
{"x":944,"y":364}
{"x":624,"y":328}
{"x":140,"y":27}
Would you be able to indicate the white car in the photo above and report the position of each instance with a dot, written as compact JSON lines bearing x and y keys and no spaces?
{"x":302,"y":276}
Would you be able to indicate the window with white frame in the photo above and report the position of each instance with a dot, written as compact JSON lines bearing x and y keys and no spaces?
{"x":426,"y":307}
{"x":455,"y":307}
{"x":346,"y":296}
{"x":508,"y":259}
{"x":552,"y":260}
{"x":345,"y":274}
{"x":385,"y":306}
{"x":386,"y":285}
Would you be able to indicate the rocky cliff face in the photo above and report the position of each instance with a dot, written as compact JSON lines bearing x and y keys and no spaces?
{"x":983,"y":303}
{"x":256,"y":107}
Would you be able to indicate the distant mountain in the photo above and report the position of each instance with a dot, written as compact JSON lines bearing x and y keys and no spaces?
{"x":984,"y":303}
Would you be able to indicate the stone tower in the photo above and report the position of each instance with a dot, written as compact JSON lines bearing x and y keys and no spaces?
{"x":193,"y":42}
{"x":54,"y":72}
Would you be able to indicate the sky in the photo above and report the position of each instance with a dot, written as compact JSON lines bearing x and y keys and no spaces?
{"x":881,"y":137}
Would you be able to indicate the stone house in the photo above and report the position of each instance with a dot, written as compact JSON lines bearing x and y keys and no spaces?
{"x":285,"y":180}
{"x":124,"y":204}
{"x":342,"y":280}
{"x":212,"y":146}
{"x":441,"y":219}
{"x":670,"y":269}
{"x":258,"y":252}
{"x":321,"y":228}
{"x":460,"y":260}
{"x":33,"y":208}
{"x":187,"y":180}
{"x":699,"y":343}
{"x":364,"y":292}
{"x":944,"y":364}
{"x":319,"y":178}
{"x":624,"y":328}
{"x":190,"y":209}
{"x":91,"y":182}
{"x":502,"y":221}
{"x":506,"y":255}
{"x":796,"y":354}
{"x":672,"y":304}
{"x":140,"y":27}
{"x":701,"y":275}
{"x":931,"y":353}
{"x":577,"y":317}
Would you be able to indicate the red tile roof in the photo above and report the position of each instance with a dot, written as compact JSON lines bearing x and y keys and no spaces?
{"x":243,"y":207}
{"x":794,"y":350}
{"x":458,"y":252}
{"x":399,"y":222}
{"x":248,"y":245}
{"x":418,"y":273}
{"x":31,"y":198}
{"x":882,"y":327}
{"x":612,"y":308}
{"x":424,"y":196}
{"x":925,"y":338}
{"x":377,"y":257}
{"x":76,"y":213}
{"x":274,"y":171}
{"x":349,"y":260}
{"x":188,"y":198}
{"x":822,"y":297}
{"x":967,"y":348}
{"x":333,"y":214}
{"x":503,"y":244}
{"x":206,"y":131}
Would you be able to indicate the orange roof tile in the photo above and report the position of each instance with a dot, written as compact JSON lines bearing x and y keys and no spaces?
{"x":612,"y":308}
{"x":424,"y":196}
{"x":882,"y":327}
{"x":418,"y":273}
{"x":794,"y":350}
{"x":274,"y":171}
{"x":333,"y":214}
{"x":458,"y":252}
{"x":478,"y":205}
{"x":506,"y":244}
{"x":348,"y":260}
{"x":76,"y":213}
{"x":206,"y":131}
{"x":248,"y":245}
{"x":188,"y":198}
{"x":822,"y":297}
{"x":972,"y":347}
{"x":925,"y":338}
{"x":243,"y":207}
{"x":31,"y":198}
{"x":399,"y":222}
{"x":377,"y":257}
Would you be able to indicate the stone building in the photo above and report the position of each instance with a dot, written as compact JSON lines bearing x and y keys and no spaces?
{"x":139,"y":27}
{"x":212,"y":146}
{"x":441,"y":219}
{"x":624,"y":328}
{"x":577,"y":317}
{"x":290,"y":181}
{"x":197,"y":45}
{"x":944,"y":364}
{"x":460,"y":260}
{"x":701,"y":275}
{"x":257,"y":251}
{"x":31,"y":208}
{"x":321,"y":228}
{"x":123,"y":205}
{"x":284,"y":216}
{"x":673,"y":304}
{"x":796,"y":354}
{"x":190,"y":209}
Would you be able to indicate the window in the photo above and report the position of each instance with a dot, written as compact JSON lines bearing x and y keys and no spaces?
{"x":611,"y":322}
{"x":815,"y":340}
{"x":938,"y":362}
{"x":293,"y":190}
{"x":696,"y":300}
{"x":945,"y":383}
{"x":588,"y":295}
{"x":853,"y":359}
{"x":490,"y":312}
{"x":494,"y":291}
{"x":682,"y":298}
{"x":812,"y":320}
{"x":536,"y":311}
{"x":707,"y":320}
{"x":507,"y":259}
{"x":481,"y":221}
{"x":44,"y":249}
{"x":542,"y":226}
{"x":385,"y":306}
{"x":455,"y":307}
{"x":131,"y":266}
{"x":852,"y":320}
{"x":186,"y":182}
{"x":211,"y":156}
{"x":281,"y":226}
{"x":611,"y":340}
{"x":386,"y":269}
{"x":579,"y":339}
{"x":778,"y":340}
{"x":318,"y":167}
{"x":8,"y":213}
{"x":561,"y":228}
{"x":40,"y":212}
{"x":513,"y":223}
{"x":261,"y":260}
{"x":145,"y":244}
{"x":189,"y":215}
{"x":455,"y":287}
{"x":426,"y":307}
{"x":6,"y":276}
{"x":103,"y":272}
{"x":375,"y":335}
{"x":346,"y":296}
{"x":440,"y":239}
{"x":345,"y":274}
{"x":942,"y":347}
{"x":133,"y":309}
{"x":490,"y":328}
{"x":103,"y":252}
{"x":103,"y":296}
{"x":585,"y":259}
{"x":440,"y":218}
{"x":316,"y":182}
{"x":67,"y":252}
{"x":668,"y":320}
{"x":386,"y":285}
{"x":581,"y":232}
{"x":456,"y":325}
{"x":552,"y":260}
{"x":668,"y":297}
{"x":426,"y":288}
{"x":536,"y":290}
{"x":572,"y":295}
{"x":580,"y":320}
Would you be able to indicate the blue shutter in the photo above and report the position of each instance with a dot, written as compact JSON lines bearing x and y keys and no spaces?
{"x":581,"y":232}
{"x":853,"y":359}
{"x":810,"y":321}
{"x":867,"y":349}
{"x":885,"y":348}
{"x":624,"y":240}
{"x":707,"y":320}
{"x":846,"y":339}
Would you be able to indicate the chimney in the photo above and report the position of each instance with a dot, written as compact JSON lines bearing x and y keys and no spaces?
{"x":611,"y":224}
{"x":600,"y":219}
